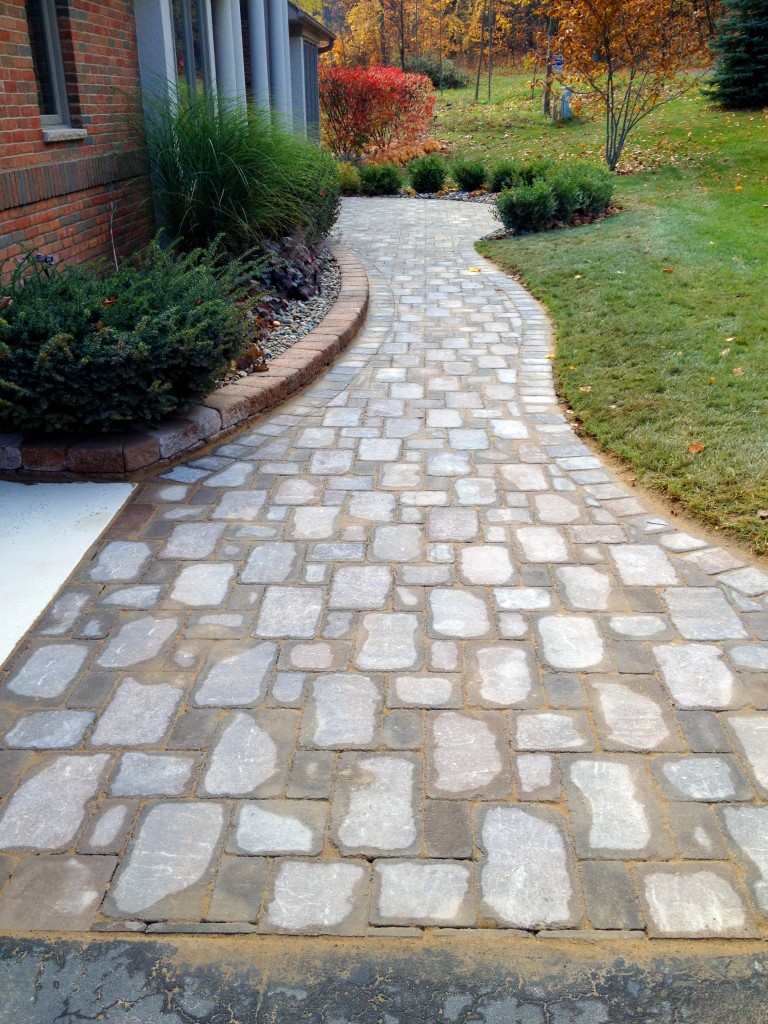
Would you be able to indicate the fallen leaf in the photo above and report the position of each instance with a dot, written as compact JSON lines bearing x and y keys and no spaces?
{"x":571,"y":367}
{"x":577,"y":276}
{"x":694,"y":449}
{"x":738,"y":187}
{"x":762,"y":513}
{"x":731,"y":339}
{"x":738,"y":371}
{"x":587,"y":388}
{"x":552,"y":356}
{"x":725,"y":352}
{"x":712,"y":380}
{"x":669,"y":270}
{"x":475,"y":270}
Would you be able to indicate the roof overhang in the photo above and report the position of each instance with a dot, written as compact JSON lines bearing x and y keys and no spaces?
{"x":302,"y":24}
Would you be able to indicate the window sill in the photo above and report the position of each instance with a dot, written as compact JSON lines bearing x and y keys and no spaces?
{"x":64,"y":134}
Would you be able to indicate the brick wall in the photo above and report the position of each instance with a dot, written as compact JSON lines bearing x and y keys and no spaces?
{"x":73,"y":198}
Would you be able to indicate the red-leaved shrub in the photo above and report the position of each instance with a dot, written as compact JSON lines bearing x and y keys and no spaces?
{"x":369,"y":109}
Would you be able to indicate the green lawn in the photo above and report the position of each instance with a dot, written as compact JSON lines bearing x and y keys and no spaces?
{"x":667,"y":322}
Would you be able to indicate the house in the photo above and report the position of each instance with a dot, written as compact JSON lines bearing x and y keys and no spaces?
{"x":73,"y":178}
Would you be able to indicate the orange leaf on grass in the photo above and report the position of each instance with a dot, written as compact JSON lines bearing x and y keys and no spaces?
{"x":694,"y":449}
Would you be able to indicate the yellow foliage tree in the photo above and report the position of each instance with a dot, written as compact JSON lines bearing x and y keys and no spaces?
{"x":634,"y":54}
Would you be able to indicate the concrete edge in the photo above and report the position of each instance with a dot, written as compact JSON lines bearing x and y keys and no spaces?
{"x":123,"y":456}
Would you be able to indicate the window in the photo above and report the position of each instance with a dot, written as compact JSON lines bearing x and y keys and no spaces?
{"x":311,"y":91}
{"x":192,"y":42}
{"x":42,"y":20}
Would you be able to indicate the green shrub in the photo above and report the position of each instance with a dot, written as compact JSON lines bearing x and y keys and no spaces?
{"x":428,"y":174}
{"x":220,"y":169}
{"x":469,"y":175}
{"x":527,"y":207}
{"x":570,"y":198}
{"x":85,"y":350}
{"x":510,"y":173}
{"x":533,"y":170}
{"x":596,"y":186}
{"x":349,"y":179}
{"x":448,"y":75}
{"x":504,"y":175}
{"x":380,"y":179}
{"x":542,"y":191}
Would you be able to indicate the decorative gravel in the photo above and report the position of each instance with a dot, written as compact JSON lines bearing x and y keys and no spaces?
{"x":456,"y":197}
{"x":300,"y":317}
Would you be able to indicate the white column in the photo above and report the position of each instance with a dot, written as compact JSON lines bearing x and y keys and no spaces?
{"x":228,"y":45}
{"x":157,"y":53}
{"x":298,"y":95}
{"x":279,"y":60}
{"x":257,"y":31}
{"x":287,"y":61}
{"x":237,"y":49}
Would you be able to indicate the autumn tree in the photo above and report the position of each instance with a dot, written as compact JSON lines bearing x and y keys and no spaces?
{"x":634,"y":54}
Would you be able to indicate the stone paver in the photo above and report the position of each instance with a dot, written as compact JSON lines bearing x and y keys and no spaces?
{"x":401,"y":654}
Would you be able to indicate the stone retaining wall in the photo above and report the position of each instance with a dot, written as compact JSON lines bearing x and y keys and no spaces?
{"x":119,"y":456}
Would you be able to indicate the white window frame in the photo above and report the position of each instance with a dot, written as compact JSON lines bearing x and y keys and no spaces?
{"x":52,"y":41}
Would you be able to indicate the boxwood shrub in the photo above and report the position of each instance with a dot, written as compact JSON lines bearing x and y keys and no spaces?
{"x":469,"y":175}
{"x":510,"y":173}
{"x":561,"y":192}
{"x":504,"y":175}
{"x":596,"y":186}
{"x":428,"y":174}
{"x":380,"y":179}
{"x":527,"y":207}
{"x":84,"y":350}
{"x":569,"y":195}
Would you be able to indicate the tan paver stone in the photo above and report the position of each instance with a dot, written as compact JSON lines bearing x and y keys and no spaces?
{"x":55,"y":894}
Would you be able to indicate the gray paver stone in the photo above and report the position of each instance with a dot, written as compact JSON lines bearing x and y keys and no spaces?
{"x":167,"y":868}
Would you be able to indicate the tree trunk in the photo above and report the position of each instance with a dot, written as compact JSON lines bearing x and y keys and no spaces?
{"x":480,"y":58}
{"x":401,"y":18}
{"x":490,"y":46}
{"x":548,"y":73}
{"x":440,"y":46}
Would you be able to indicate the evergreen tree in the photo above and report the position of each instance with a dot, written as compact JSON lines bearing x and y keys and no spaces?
{"x":740,"y":77}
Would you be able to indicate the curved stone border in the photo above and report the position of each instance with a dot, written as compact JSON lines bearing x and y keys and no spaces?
{"x":119,"y":456}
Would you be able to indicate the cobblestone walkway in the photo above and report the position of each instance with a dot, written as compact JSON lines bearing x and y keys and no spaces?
{"x":402,"y":655}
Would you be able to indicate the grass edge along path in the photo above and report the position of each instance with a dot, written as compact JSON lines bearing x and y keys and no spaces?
{"x":660,"y":312}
